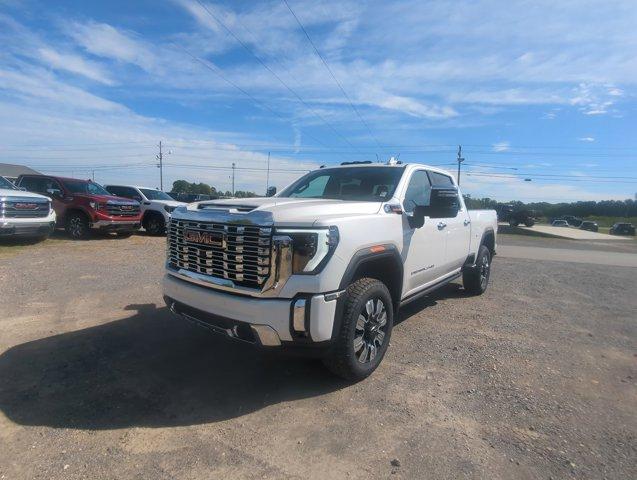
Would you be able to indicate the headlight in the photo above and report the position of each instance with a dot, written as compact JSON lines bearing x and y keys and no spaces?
{"x":311,"y":248}
{"x":97,"y":205}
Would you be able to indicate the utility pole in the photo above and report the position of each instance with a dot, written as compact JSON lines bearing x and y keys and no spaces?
{"x":160,"y":157}
{"x":233,"y":168}
{"x":267,"y":176}
{"x":93,"y":174}
{"x":460,"y":160}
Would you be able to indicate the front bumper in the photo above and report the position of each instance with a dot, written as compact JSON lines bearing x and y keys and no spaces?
{"x":116,"y":225}
{"x":306,"y":320}
{"x":23,"y":227}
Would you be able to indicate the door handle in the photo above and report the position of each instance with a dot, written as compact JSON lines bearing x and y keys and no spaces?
{"x":467,"y":222}
{"x":441,"y":225}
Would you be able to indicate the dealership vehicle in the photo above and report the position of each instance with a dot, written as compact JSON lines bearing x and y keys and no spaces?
{"x":324,"y":266}
{"x":590,"y":226}
{"x":515,"y":216}
{"x":83,"y":206}
{"x":156,"y":205}
{"x":24,"y":214}
{"x":560,"y":223}
{"x":622,"y":229}
{"x":572,"y":220}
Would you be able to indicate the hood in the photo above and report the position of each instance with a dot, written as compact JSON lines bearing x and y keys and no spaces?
{"x":5,"y":192}
{"x":105,"y":198}
{"x":284,"y":211}
{"x":170,"y":203}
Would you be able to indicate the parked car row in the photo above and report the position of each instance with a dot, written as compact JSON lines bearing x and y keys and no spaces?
{"x":37,"y":204}
{"x":619,"y":228}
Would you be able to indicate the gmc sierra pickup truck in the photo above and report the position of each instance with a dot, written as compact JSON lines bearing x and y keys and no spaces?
{"x":24,"y":214}
{"x":83,"y":206}
{"x":156,"y":205}
{"x":324,"y":265}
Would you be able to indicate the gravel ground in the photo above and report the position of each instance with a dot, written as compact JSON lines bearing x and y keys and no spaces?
{"x":535,"y":379}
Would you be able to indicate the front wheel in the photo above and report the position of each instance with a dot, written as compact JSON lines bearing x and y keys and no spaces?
{"x":366,"y":328}
{"x":513,"y":223}
{"x":77,"y":226}
{"x":155,"y":224}
{"x":529,"y":223}
{"x":476,"y":279}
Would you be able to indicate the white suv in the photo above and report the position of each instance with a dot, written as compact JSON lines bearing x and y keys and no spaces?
{"x":156,"y":205}
{"x":24,"y":214}
{"x":325,"y":265}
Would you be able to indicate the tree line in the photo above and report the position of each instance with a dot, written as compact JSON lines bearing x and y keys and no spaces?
{"x":183,"y":186}
{"x":603,"y":208}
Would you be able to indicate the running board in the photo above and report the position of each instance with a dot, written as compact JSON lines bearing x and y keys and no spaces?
{"x":429,"y":289}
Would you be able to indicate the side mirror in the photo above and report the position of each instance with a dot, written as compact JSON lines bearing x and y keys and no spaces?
{"x":54,"y":192}
{"x":271,"y":192}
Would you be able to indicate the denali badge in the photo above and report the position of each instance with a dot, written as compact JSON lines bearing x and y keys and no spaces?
{"x":206,"y":238}
{"x":25,"y":206}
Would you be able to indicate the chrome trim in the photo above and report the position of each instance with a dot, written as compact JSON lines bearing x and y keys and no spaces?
{"x":267,"y":335}
{"x":298,"y":315}
{"x":334,"y":295}
{"x":104,"y":223}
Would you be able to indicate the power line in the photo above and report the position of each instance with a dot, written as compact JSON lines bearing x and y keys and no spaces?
{"x":267,"y":67}
{"x":331,"y":73}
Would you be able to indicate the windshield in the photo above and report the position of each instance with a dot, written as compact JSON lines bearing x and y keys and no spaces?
{"x":80,"y":186}
{"x":151,"y":194}
{"x":366,"y":184}
{"x":4,"y":183}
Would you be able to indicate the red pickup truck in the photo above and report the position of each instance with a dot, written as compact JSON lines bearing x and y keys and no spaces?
{"x":83,"y":206}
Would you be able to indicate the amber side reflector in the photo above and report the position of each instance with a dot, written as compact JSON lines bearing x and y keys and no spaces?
{"x":377,"y":248}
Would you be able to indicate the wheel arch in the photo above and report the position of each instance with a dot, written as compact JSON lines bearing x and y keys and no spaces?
{"x":149,"y":213}
{"x":382,"y":262}
{"x":488,"y":240}
{"x":72,"y":210}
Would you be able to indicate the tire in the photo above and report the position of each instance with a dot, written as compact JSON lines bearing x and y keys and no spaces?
{"x":529,"y":223}
{"x":154,"y":224}
{"x":476,"y":279}
{"x":513,"y":222}
{"x":365,"y":332}
{"x":77,"y":226}
{"x":124,"y":234}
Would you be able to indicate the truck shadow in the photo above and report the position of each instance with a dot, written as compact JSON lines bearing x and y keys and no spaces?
{"x":148,"y":370}
{"x":451,"y":290}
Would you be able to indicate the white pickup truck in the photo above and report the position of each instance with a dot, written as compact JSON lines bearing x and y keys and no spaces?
{"x":323,"y":266}
{"x":156,"y":206}
{"x":24,"y":214}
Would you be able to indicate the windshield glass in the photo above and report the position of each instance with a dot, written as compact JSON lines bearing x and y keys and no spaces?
{"x":4,"y":183}
{"x":80,"y":186}
{"x":367,"y":184}
{"x":151,"y":194}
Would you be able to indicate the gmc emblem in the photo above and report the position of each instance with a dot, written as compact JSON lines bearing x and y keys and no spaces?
{"x":204,"y":238}
{"x":127,"y":207}
{"x":26,"y":206}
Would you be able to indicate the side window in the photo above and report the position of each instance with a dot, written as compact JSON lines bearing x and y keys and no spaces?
{"x":440,"y":180}
{"x":418,"y":191}
{"x":114,"y":190}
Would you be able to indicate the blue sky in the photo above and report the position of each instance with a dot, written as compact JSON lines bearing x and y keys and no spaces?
{"x":541,"y":90}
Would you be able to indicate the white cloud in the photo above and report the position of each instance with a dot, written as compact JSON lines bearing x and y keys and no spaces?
{"x":586,"y":139}
{"x":75,"y":64}
{"x":501,"y":146}
{"x":107,"y":41}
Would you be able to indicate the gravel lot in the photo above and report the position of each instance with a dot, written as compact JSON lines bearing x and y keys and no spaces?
{"x":535,"y":379}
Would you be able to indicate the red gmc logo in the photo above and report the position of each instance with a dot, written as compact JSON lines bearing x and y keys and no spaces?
{"x":204,"y":238}
{"x":26,"y":206}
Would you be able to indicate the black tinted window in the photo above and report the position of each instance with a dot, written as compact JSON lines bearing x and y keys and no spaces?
{"x":418,"y":191}
{"x":440,"y":180}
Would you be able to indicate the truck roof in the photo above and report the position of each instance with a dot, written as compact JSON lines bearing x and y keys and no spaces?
{"x":57,"y":177}
{"x":386,"y":165}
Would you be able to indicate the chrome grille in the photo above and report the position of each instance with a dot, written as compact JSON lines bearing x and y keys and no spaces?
{"x":24,"y":209}
{"x":241,"y":253}
{"x":122,"y":210}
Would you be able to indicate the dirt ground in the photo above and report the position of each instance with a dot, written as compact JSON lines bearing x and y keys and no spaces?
{"x":534,"y":379}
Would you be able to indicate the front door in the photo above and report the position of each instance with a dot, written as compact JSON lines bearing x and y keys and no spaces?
{"x":423,"y":248}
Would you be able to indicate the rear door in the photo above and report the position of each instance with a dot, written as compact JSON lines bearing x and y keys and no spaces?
{"x":424,"y":247}
{"x":457,"y":229}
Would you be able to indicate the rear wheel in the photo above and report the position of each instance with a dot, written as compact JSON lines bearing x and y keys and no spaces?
{"x":529,"y":223}
{"x":77,"y":226}
{"x":155,"y":224}
{"x":365,"y":330}
{"x":476,"y":279}
{"x":513,"y":222}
